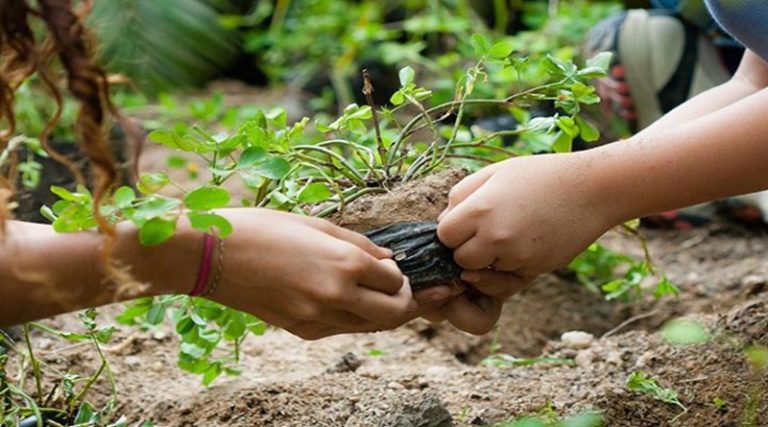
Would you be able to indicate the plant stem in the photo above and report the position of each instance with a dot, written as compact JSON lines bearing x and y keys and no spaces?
{"x":335,"y":208}
{"x":368,"y":92}
{"x":35,"y":363}
{"x":406,"y":131}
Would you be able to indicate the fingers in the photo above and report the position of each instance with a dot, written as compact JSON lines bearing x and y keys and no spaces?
{"x":435,"y":316}
{"x":498,"y":284}
{"x":436,"y":294}
{"x":474,"y":254}
{"x":356,"y":239}
{"x":380,"y":275}
{"x":388,"y":310}
{"x":466,"y":187}
{"x":473,"y":313}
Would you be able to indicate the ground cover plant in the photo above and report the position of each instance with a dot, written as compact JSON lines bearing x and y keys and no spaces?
{"x":390,"y":139}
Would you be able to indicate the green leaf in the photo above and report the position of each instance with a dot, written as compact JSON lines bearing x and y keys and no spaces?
{"x":587,"y":130}
{"x":684,"y":332}
{"x":252,"y":156}
{"x":176,"y":162}
{"x":757,"y":356}
{"x":156,"y":314}
{"x":163,"y":137}
{"x":85,"y":414}
{"x":563,"y":143}
{"x":314,"y":193}
{"x":205,"y":221}
{"x":153,"y":182}
{"x":568,"y":125}
{"x":397,"y":98}
{"x":213,"y":372}
{"x":124,"y":196}
{"x":601,"y":61}
{"x":153,"y":207}
{"x":207,"y":198}
{"x":48,"y":214}
{"x":480,"y":44}
{"x":501,"y":50}
{"x":184,"y":325}
{"x":665,"y":287}
{"x":103,"y":335}
{"x":274,"y":168}
{"x":407,"y":75}
{"x":70,"y":196}
{"x":156,"y":231}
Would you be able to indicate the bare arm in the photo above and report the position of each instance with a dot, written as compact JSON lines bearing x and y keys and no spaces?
{"x":530,"y":215}
{"x":303,"y":274}
{"x":751,"y":77}
{"x":43,"y":273}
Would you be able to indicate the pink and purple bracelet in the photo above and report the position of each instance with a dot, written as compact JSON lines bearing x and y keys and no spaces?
{"x":202,"y":287}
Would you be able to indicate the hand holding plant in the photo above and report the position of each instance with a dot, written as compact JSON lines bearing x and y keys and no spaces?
{"x":309,"y":276}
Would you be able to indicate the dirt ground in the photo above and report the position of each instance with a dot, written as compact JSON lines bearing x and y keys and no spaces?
{"x":424,"y":375}
{"x":430,"y":375}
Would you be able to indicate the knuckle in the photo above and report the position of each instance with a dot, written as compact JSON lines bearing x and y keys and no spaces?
{"x":454,"y":196}
{"x":331,"y":294}
{"x":306,"y":311}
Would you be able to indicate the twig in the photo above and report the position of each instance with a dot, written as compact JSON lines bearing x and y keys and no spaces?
{"x":629,"y":321}
{"x":368,"y":92}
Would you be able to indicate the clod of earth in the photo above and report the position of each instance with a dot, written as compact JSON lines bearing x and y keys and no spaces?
{"x":419,"y":253}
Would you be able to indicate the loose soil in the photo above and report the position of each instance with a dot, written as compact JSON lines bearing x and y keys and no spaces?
{"x":430,"y":375}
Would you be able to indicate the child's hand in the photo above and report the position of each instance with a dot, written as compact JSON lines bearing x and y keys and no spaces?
{"x":310,"y":277}
{"x":517,"y":219}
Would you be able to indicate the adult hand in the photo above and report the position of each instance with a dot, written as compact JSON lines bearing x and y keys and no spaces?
{"x":310,"y":277}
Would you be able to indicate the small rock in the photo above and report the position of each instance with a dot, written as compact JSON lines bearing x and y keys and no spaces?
{"x":754,"y":284}
{"x":614,"y":358}
{"x":132,"y":360}
{"x":644,"y":359}
{"x":430,"y":412}
{"x":752,"y":280}
{"x":160,"y":335}
{"x":44,"y":343}
{"x":348,"y":363}
{"x":394,"y":385}
{"x":585,"y":358}
{"x":437,"y":372}
{"x":577,"y":340}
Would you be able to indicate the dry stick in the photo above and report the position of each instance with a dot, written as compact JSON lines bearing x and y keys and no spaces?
{"x":630,"y":321}
{"x":368,"y":92}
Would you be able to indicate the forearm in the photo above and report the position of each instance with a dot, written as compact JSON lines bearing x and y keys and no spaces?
{"x":718,"y":155}
{"x":43,"y":273}
{"x":751,"y":77}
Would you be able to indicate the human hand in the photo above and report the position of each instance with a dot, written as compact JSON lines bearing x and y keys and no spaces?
{"x":310,"y":277}
{"x":512,"y":221}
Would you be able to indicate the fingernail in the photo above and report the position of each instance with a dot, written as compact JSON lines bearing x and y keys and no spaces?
{"x":387,"y":252}
{"x":470,"y":276}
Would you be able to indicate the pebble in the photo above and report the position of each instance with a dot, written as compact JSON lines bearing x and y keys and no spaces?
{"x":752,"y":280}
{"x":614,"y":358}
{"x":132,"y":360}
{"x":644,"y":359}
{"x":160,"y":335}
{"x":577,"y":340}
{"x":44,"y":343}
{"x":585,"y":358}
{"x":394,"y":385}
{"x":437,"y":372}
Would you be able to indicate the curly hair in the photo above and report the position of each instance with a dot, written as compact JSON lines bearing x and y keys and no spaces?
{"x":22,"y":55}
